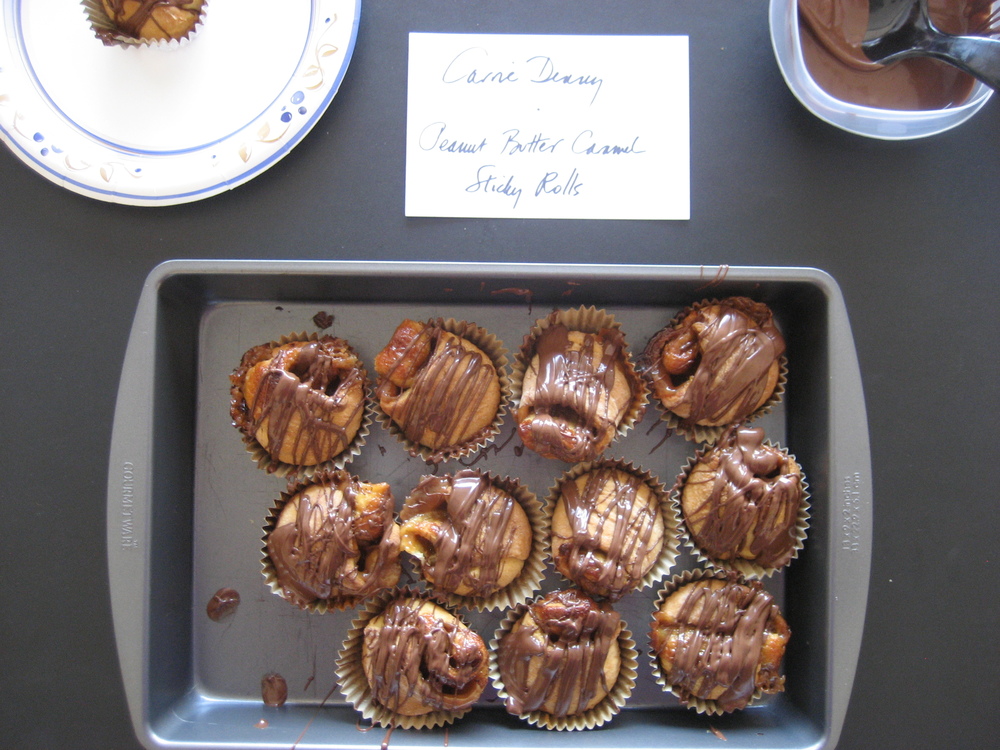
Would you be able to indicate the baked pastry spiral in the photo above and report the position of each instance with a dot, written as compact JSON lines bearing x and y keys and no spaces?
{"x":562,"y":656}
{"x":440,"y":389}
{"x":470,"y":534}
{"x":335,"y":540}
{"x":418,"y":658}
{"x":721,"y":641}
{"x":718,"y":364}
{"x":302,"y":401}
{"x":607,"y":530}
{"x":741,"y":500}
{"x":577,"y":389}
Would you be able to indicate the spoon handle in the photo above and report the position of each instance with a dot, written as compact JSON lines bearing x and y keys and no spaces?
{"x":976,"y":55}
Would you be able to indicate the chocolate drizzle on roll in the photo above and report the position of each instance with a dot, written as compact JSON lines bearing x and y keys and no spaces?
{"x":342,"y":542}
{"x":441,"y":390}
{"x":742,"y":500}
{"x":718,"y":364}
{"x":303,"y":401}
{"x":724,"y":642}
{"x":615,"y":531}
{"x":419,"y":658}
{"x":569,"y":413}
{"x":555,"y":658}
{"x":473,"y":531}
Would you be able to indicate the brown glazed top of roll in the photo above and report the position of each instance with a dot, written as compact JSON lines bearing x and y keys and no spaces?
{"x":742,"y":500}
{"x":615,"y":531}
{"x":342,"y":542}
{"x":440,"y":389}
{"x":303,"y":401}
{"x":719,"y":361}
{"x":723,"y":642}
{"x":572,"y":414}
{"x":555,"y":659}
{"x":131,"y":15}
{"x":419,"y":658}
{"x":477,"y":533}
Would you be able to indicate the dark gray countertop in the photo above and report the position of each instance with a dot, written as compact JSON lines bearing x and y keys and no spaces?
{"x":909,"y":230}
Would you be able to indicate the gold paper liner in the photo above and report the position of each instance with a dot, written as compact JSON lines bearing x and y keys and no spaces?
{"x":747,"y":568}
{"x":589,"y":320}
{"x":668,"y":511}
{"x":493,"y":348}
{"x":710,"y":433}
{"x":353,"y":684}
{"x":529,"y":580}
{"x":263,"y":459}
{"x":597,"y":716}
{"x":319,"y":606}
{"x":107,"y":32}
{"x":701,"y":706}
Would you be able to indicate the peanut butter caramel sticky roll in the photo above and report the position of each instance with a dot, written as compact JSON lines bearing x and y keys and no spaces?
{"x":411,"y":662}
{"x":718,"y":363}
{"x":442,"y":386}
{"x":331,"y":542}
{"x":745,"y":504}
{"x":576,"y":387}
{"x":564,"y":661}
{"x":717,"y":642}
{"x":132,"y":22}
{"x":300,"y":403}
{"x":474,"y":537}
{"x":613,"y":528}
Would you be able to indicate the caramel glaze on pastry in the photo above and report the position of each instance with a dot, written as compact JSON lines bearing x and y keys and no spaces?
{"x":470,"y":535}
{"x":741,"y":500}
{"x":440,"y":389}
{"x":302,"y":401}
{"x":576,"y":390}
{"x":418,"y":658}
{"x":607,"y":531}
{"x":720,"y":640}
{"x":335,"y":538}
{"x":562,"y":657}
{"x":153,"y":19}
{"x":718,"y":364}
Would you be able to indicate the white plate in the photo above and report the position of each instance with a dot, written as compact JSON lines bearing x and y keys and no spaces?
{"x":159,"y":126}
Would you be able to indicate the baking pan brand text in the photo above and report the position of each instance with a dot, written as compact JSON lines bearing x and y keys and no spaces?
{"x":851,"y":526}
{"x":128,"y":540}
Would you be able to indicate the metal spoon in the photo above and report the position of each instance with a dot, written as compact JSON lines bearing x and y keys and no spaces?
{"x":902,"y":28}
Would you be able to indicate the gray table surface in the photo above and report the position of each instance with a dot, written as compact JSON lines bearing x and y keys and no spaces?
{"x":910,"y":231}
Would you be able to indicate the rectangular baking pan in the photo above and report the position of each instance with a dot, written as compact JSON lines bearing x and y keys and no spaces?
{"x":186,"y":504}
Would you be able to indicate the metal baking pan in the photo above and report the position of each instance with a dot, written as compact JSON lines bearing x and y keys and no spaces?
{"x":186,"y":504}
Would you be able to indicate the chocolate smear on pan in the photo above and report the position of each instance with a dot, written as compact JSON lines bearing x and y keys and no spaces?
{"x":273,"y":689}
{"x":223,"y":604}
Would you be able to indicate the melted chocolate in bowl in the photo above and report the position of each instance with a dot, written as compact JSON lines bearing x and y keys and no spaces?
{"x":832,"y":32}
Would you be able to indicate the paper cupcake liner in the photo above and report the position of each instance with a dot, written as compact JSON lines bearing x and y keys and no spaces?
{"x":668,"y":511}
{"x":353,"y":684}
{"x":493,"y":348}
{"x":529,"y":580}
{"x":319,"y":606}
{"x":589,"y":320}
{"x":266,"y":462}
{"x":747,"y":568}
{"x":107,"y":32}
{"x":597,"y":716}
{"x":708,"y":434}
{"x":701,"y":706}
